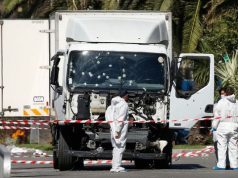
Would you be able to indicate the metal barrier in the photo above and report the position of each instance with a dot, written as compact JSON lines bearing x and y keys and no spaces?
{"x":5,"y":162}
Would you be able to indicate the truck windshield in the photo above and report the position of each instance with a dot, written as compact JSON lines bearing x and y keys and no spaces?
{"x":109,"y":70}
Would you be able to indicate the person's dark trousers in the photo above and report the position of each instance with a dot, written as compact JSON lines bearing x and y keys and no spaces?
{"x":216,"y":150}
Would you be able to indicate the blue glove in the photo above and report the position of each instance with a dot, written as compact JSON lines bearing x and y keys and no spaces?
{"x":213,"y":129}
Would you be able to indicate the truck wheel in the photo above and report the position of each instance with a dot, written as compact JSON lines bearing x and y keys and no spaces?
{"x":65,"y":161}
{"x":78,"y":165}
{"x":143,"y":164}
{"x":161,"y":164}
{"x":55,"y":160}
{"x":164,"y":163}
{"x":139,"y":164}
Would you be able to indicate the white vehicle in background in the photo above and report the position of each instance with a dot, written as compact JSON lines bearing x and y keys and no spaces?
{"x":24,"y":79}
{"x":96,"y":54}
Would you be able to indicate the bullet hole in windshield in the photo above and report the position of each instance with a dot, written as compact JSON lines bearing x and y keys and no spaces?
{"x":85,"y":53}
{"x":90,"y":74}
{"x":160,"y":60}
{"x":115,"y":68}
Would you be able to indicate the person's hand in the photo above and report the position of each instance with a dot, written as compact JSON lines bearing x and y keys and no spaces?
{"x":211,"y":131}
{"x":117,"y":135}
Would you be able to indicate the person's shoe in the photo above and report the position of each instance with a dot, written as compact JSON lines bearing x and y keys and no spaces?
{"x":119,"y":169}
{"x":218,"y":168}
{"x":112,"y":170}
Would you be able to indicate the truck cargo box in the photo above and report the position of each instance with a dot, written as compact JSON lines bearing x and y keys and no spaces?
{"x":25,"y":71}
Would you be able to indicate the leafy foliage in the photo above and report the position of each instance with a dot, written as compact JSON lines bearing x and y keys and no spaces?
{"x":10,"y":4}
{"x":192,"y":29}
{"x":219,"y":8}
{"x":201,"y":73}
{"x":166,"y":5}
{"x":222,"y":37}
{"x":228,"y":72}
{"x":110,"y":4}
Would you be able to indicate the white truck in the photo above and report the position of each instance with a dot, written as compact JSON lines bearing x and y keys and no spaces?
{"x":95,"y":54}
{"x":24,"y":74}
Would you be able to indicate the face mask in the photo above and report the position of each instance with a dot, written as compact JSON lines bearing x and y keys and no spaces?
{"x":223,"y":96}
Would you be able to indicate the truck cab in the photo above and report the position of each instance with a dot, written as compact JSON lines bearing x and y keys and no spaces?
{"x":97,"y":54}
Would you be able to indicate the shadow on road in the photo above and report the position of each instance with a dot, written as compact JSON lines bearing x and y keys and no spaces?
{"x":130,"y":167}
{"x":186,"y":166}
{"x":35,"y":175}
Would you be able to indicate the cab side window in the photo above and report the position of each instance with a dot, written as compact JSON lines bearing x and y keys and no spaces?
{"x":193,"y":74}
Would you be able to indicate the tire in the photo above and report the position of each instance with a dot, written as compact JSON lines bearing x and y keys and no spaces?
{"x":161,"y":164}
{"x":143,"y":164}
{"x":55,"y":160}
{"x":164,"y":163}
{"x":139,"y":164}
{"x":78,"y":164}
{"x":65,"y":161}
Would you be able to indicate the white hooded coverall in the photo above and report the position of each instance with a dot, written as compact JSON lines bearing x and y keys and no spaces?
{"x":118,"y":112}
{"x":227,"y":130}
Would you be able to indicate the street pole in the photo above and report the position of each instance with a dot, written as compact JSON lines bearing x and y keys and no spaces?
{"x":2,"y":87}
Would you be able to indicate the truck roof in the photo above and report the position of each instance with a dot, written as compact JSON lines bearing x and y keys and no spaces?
{"x":131,"y":27}
{"x":117,"y":30}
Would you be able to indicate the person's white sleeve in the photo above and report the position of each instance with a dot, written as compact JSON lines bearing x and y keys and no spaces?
{"x":217,"y":115}
{"x":109,"y":114}
{"x":121,"y":117}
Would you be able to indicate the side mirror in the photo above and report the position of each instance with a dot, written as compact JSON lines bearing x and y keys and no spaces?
{"x":55,"y":72}
{"x":59,"y":90}
{"x":56,"y":56}
{"x":54,"y":75}
{"x":55,"y":69}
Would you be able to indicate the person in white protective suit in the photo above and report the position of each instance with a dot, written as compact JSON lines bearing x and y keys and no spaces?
{"x":222,"y":94}
{"x":226,"y":130}
{"x":118,"y":113}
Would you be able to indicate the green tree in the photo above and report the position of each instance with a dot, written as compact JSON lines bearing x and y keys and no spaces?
{"x":228,"y":72}
{"x":192,"y":27}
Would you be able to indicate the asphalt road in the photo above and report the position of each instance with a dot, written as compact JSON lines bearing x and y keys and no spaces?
{"x":184,"y":167}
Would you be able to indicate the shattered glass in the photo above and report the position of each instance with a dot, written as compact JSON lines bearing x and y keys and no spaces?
{"x":112,"y":70}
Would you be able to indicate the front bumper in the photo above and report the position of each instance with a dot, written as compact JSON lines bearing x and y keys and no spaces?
{"x":108,"y":155}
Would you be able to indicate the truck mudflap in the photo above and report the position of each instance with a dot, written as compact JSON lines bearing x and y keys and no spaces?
{"x":126,"y":155}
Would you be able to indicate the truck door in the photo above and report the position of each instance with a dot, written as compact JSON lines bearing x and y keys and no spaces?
{"x":25,"y":61}
{"x":193,"y":89}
